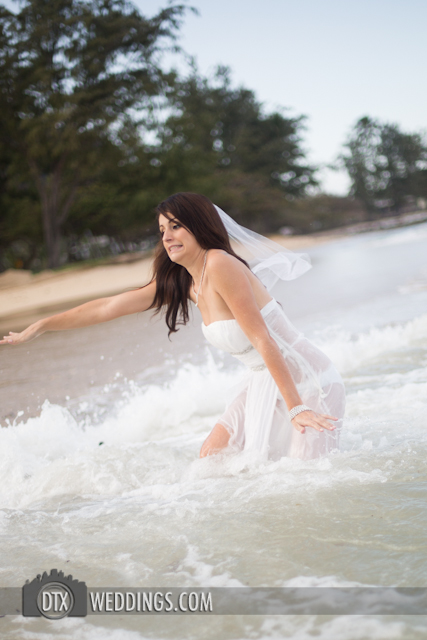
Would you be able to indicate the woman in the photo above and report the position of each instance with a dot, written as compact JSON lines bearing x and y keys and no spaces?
{"x":291,"y":386}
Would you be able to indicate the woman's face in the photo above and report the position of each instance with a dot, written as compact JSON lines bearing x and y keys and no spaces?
{"x":179,"y":243}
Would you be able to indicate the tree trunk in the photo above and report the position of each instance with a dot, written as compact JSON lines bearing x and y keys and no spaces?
{"x":55,"y":209}
{"x":52,"y":234}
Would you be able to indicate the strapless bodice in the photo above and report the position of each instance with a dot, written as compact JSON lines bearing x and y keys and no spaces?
{"x":228,"y":336}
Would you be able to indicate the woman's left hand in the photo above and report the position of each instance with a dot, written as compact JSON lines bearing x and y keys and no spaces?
{"x":318,"y":421}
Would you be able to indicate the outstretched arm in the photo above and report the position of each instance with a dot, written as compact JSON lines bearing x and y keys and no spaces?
{"x":93,"y":312}
{"x":231,"y":281}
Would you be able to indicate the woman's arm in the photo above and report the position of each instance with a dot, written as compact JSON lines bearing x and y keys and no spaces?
{"x":230,"y":280}
{"x":93,"y":312}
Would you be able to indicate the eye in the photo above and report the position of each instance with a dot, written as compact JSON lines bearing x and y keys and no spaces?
{"x":176,"y":226}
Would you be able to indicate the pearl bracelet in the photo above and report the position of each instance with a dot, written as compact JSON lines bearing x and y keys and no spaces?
{"x":296,"y":410}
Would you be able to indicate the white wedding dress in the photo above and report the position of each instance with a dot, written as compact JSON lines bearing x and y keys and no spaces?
{"x":257,"y":418}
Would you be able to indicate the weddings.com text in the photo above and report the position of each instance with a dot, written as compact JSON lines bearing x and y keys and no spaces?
{"x":136,"y":601}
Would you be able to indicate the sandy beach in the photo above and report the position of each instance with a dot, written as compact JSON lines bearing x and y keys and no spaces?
{"x":27,"y":297}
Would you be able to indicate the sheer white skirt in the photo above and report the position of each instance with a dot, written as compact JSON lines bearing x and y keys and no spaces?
{"x":257,"y":417}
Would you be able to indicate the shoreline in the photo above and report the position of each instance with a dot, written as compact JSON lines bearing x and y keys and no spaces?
{"x":27,"y":297}
{"x":47,"y":293}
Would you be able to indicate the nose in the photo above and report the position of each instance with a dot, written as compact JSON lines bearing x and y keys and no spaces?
{"x":167,"y":235}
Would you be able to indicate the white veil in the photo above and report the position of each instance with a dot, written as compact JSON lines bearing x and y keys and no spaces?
{"x":267,"y":259}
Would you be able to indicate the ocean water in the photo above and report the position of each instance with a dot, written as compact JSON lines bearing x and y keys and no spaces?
{"x":100,"y":474}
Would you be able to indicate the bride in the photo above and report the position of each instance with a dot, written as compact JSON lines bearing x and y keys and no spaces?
{"x":291,"y":402}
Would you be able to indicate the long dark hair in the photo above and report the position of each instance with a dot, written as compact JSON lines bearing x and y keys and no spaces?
{"x":199,"y":216}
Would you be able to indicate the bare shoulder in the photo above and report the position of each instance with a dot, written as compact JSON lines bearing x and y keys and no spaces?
{"x":220,"y":261}
{"x":228,"y":274}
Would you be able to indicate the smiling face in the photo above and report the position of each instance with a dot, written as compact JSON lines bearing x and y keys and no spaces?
{"x":180,"y":244}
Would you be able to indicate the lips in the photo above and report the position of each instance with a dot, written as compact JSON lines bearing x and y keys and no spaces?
{"x":175,"y":247}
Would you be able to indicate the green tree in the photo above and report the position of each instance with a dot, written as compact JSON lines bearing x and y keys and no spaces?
{"x":218,"y":140}
{"x":71,"y":72}
{"x":385,"y":165}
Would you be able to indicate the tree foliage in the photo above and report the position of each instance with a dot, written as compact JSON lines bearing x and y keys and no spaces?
{"x":93,"y":134}
{"x":218,"y":140}
{"x":385,"y":165}
{"x":70,"y":72}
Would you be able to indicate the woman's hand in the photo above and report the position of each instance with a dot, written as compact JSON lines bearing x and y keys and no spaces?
{"x":317,"y":421}
{"x":31,"y":332}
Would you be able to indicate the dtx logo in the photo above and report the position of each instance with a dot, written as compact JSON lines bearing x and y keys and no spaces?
{"x":54,"y":596}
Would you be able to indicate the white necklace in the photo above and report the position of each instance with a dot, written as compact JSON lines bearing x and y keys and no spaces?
{"x":196,"y":293}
